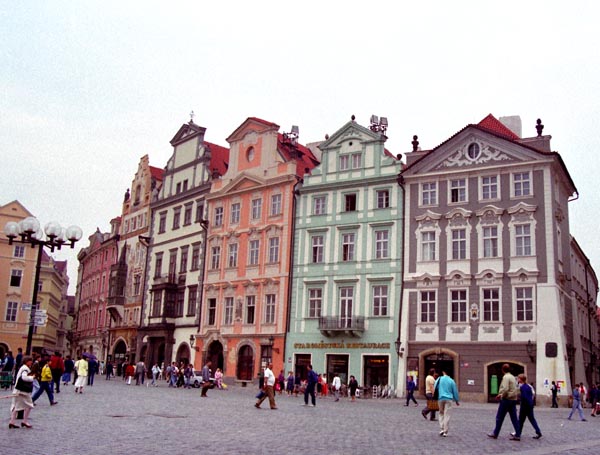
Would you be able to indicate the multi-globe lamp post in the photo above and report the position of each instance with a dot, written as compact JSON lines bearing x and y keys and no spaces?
{"x":54,"y":236}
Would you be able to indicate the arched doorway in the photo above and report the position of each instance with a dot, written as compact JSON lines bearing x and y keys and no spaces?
{"x":183,"y":353}
{"x":215,"y":355}
{"x":494,"y":377}
{"x":245,"y":363}
{"x":120,"y":351}
{"x":440,"y":361}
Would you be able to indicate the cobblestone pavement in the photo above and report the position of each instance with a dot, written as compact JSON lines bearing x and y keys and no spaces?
{"x":111,"y":417}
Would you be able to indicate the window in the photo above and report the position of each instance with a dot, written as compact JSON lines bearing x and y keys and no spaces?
{"x":192,"y":300}
{"x":212,"y":312}
{"x":348,"y":247}
{"x":489,"y":187}
{"x":185,"y":185}
{"x":380,"y":300}
{"x":218,"y":216}
{"x":315,"y":302}
{"x":137,"y":282}
{"x":162,"y":222}
{"x":19,"y":251}
{"x":228,"y":311}
{"x":382,"y":244}
{"x":276,"y":205}
{"x":270,"y":309}
{"x":458,"y":190}
{"x":491,"y":305}
{"x":179,"y":303}
{"x":187,"y":215}
{"x":459,"y":244}
{"x":15,"y":278}
{"x":524,"y":304}
{"x":256,"y":209}
{"x":156,"y":303}
{"x":344,"y":162}
{"x":195,"y":257}
{"x":250,"y":308}
{"x":176,"y":217}
{"x":199,"y":211}
{"x":253,"y":251}
{"x":356,"y":160}
{"x":346,"y":306}
{"x":383,"y":199}
{"x":490,"y":242}
{"x":317,"y":245}
{"x":274,"y":249}
{"x":458,"y":303}
{"x":233,"y":255}
{"x":429,"y":193}
{"x":428,"y":246}
{"x":183,"y":260}
{"x":235,"y":213}
{"x":319,"y":205}
{"x":215,"y":257}
{"x":523,"y":239}
{"x":350,"y":202}
{"x":178,"y":188}
{"x":172,"y":263}
{"x":522,"y":184}
{"x":427,"y":306}
{"x":11,"y":311}
{"x":473,"y":151}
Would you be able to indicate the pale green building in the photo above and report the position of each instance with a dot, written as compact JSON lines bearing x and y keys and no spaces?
{"x":347,"y":267}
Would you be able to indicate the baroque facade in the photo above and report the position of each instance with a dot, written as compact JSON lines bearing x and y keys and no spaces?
{"x":347,"y":271}
{"x":246,"y":287}
{"x":175,"y":262}
{"x":487,"y":259}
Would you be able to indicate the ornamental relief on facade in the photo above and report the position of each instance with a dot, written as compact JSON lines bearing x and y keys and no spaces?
{"x":460,"y":157}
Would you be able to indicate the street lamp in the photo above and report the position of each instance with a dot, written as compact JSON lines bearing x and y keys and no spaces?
{"x":28,"y":231}
{"x":399,"y":348}
{"x":271,"y":343}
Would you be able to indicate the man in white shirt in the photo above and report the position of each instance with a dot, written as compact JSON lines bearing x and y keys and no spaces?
{"x":269,"y":385}
{"x":337,"y":385}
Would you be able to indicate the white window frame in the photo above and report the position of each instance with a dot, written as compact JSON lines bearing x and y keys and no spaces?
{"x":232,"y":255}
{"x":518,"y":298}
{"x":215,"y":257}
{"x":490,"y":241}
{"x":253,"y":251}
{"x":317,"y":248}
{"x":273,"y":249}
{"x":382,"y":199}
{"x":270,"y":305}
{"x":256,"y":208}
{"x":521,"y":184}
{"x":250,"y":303}
{"x":430,"y":313}
{"x":319,"y":205}
{"x":491,"y":301}
{"x":276,"y":204}
{"x":428,"y":246}
{"x":380,"y":295}
{"x":11,"y":311}
{"x":460,"y":298}
{"x":218,"y":216}
{"x":348,"y":246}
{"x":429,"y":194}
{"x":315,"y":302}
{"x":382,"y":244}
{"x":460,"y":188}
{"x":486,"y":184}
{"x":228,"y":313}
{"x":19,"y":251}
{"x":235,"y":213}
{"x":460,"y":241}
{"x":523,"y":240}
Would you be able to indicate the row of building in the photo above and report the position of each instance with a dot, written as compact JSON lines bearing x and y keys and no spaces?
{"x":342,"y":255}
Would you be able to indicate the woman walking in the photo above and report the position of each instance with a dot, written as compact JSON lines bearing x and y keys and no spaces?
{"x":21,"y":400}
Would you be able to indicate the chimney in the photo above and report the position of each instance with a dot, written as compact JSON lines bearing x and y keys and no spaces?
{"x":513,"y":123}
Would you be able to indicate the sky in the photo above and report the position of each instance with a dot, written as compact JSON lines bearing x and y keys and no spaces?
{"x":88,"y":88}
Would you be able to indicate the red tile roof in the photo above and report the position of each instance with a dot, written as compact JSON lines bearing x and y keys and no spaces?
{"x":305,"y":160}
{"x":493,"y":125}
{"x":156,"y":173}
{"x":219,"y":157}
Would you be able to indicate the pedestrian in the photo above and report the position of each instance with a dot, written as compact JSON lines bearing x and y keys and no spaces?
{"x":219,"y":378}
{"x":18,"y":361}
{"x":155,"y":374}
{"x":82,"y":369}
{"x":46,"y":384}
{"x":577,"y":403}
{"x":129,"y":373}
{"x":297,"y":383}
{"x":281,"y":382}
{"x":313,"y":378}
{"x":447,"y":393}
{"x":290,"y":383}
{"x":36,"y":371}
{"x":353,"y":387}
{"x":582,"y":394}
{"x":21,"y":399}
{"x":7,"y":367}
{"x":507,"y":396}
{"x":337,"y":385}
{"x":109,"y":370}
{"x":188,"y":372}
{"x":429,"y":391}
{"x":410,"y":390}
{"x":554,"y":390}
{"x":594,"y":398}
{"x":172,"y":375}
{"x":269,"y":386}
{"x":92,"y":369}
{"x":140,"y":368}
{"x":526,"y":409}
{"x":57,"y":366}
{"x":206,"y":384}
{"x":69,"y":366}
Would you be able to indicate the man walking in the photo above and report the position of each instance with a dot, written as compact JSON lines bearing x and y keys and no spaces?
{"x":507,"y":395}
{"x":269,"y":388}
{"x":447,"y":393}
{"x":337,"y":385}
{"x":310,"y":387}
{"x":577,"y":403}
{"x":45,"y":384}
{"x":526,"y":410}
{"x":57,"y":366}
{"x":140,"y":369}
{"x":429,"y":390}
{"x":554,"y":390}
{"x":206,"y":384}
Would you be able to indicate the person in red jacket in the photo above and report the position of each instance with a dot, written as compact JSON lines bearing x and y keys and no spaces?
{"x":57,"y":366}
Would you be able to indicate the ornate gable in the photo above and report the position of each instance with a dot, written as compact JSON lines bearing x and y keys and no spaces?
{"x":187,"y":132}
{"x":350,"y":131}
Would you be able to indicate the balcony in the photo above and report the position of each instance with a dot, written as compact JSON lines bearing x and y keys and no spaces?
{"x":337,"y":325}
